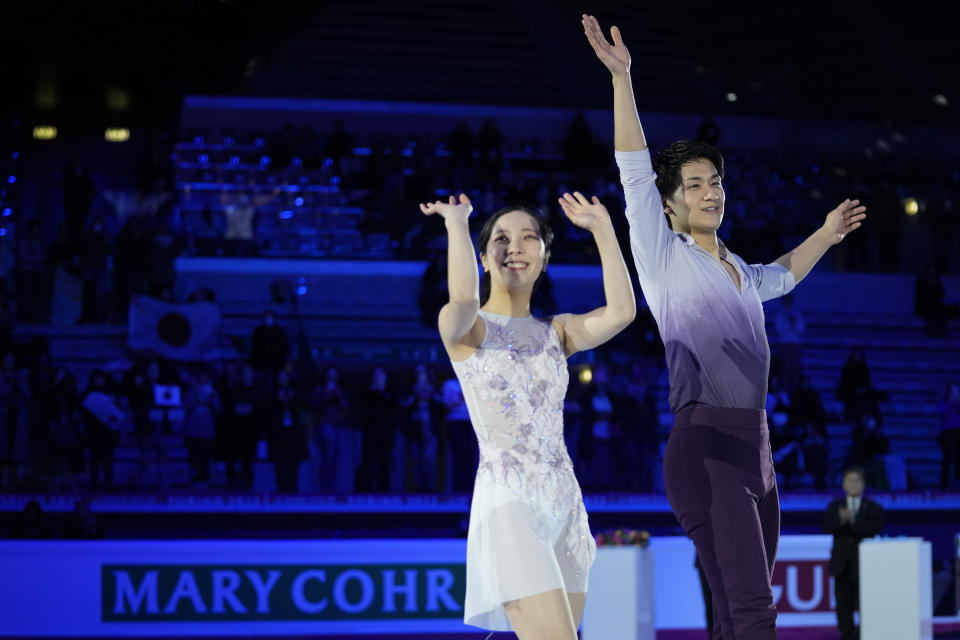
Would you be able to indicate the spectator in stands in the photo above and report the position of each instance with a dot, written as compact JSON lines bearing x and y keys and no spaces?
{"x":6,"y":318}
{"x":40,"y":380}
{"x":202,"y":408}
{"x":101,"y":416}
{"x":269,"y":346}
{"x":65,"y":428}
{"x":331,"y":438}
{"x":422,"y":425}
{"x":869,"y":447}
{"x":790,"y":328}
{"x":287,"y":421}
{"x":33,"y":295}
{"x":949,"y":438}
{"x":32,"y":524}
{"x":709,"y":131}
{"x":240,"y":210}
{"x":929,"y":305}
{"x":816,"y":453}
{"x":78,"y":195}
{"x":850,"y":520}
{"x":379,"y":419}
{"x":82,"y":525}
{"x":490,"y":145}
{"x":144,"y":390}
{"x":243,"y":411}
{"x":460,"y":144}
{"x":339,"y":143}
{"x":603,"y":416}
{"x":94,"y":252}
{"x":640,"y":439}
{"x":432,"y":294}
{"x":463,"y":442}
{"x":805,"y":405}
{"x":855,"y":389}
{"x":163,"y":250}
{"x":14,"y":397}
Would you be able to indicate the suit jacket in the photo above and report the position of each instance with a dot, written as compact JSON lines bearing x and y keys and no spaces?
{"x":845,"y":555}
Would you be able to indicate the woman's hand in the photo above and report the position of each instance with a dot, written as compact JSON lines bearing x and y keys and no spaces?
{"x":450,"y":211}
{"x":586,"y":214}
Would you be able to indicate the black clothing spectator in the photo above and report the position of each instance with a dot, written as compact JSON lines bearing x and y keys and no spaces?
{"x":379,"y":418}
{"x":82,"y":525}
{"x":243,"y":411}
{"x":287,"y":437}
{"x":269,"y":346}
{"x":32,"y":524}
{"x":850,"y":520}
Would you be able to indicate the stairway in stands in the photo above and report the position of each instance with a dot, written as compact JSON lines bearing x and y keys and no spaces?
{"x":909,"y":366}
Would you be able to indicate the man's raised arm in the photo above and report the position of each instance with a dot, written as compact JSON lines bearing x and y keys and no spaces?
{"x":649,"y":233}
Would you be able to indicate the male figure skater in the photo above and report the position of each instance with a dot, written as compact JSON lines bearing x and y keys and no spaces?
{"x":707,"y":304}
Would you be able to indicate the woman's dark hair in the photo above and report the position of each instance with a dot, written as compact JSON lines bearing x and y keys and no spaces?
{"x":546,"y":234}
{"x":671,"y":159}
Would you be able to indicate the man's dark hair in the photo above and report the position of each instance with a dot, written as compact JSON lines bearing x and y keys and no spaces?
{"x":857,"y":469}
{"x":672,"y":157}
{"x":546,"y":234}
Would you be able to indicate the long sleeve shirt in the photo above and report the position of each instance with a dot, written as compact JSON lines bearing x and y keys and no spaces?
{"x":714,"y":335}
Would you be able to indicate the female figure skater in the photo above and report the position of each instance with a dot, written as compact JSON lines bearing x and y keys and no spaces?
{"x":529,"y":547}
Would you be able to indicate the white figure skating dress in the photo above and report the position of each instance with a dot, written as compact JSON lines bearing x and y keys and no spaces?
{"x":528,"y":526}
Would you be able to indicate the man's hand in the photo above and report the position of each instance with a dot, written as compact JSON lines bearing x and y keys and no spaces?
{"x":586,"y":214}
{"x":616,"y":58}
{"x":847,"y":217}
{"x":846,"y":516}
{"x":450,"y":211}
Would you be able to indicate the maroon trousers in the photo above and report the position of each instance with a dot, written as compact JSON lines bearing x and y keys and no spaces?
{"x":720,"y":481}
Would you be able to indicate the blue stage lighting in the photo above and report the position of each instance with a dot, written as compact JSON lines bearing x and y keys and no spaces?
{"x":204,"y":158}
{"x":7,"y":212}
{"x":334,"y":179}
{"x":264,"y":160}
{"x":301,"y":290}
{"x":406,"y":153}
{"x":298,"y":201}
{"x":301,"y":280}
{"x":12,"y":179}
{"x":3,"y":232}
{"x":15,"y":155}
{"x":286,"y":214}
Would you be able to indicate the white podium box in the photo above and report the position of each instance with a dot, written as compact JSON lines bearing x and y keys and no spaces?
{"x":620,"y":595}
{"x":896,"y":589}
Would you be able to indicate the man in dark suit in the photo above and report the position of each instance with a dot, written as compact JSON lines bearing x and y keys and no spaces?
{"x":850,"y":519}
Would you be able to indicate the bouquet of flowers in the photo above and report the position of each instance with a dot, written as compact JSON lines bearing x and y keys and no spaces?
{"x":620,"y":537}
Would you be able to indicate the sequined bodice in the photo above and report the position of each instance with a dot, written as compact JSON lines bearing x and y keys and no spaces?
{"x":514,"y":386}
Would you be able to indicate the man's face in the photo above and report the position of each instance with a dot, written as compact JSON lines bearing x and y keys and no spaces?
{"x":697,"y":206}
{"x":853,"y":484}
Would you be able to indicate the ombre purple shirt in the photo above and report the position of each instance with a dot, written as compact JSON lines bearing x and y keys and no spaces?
{"x":716,"y":344}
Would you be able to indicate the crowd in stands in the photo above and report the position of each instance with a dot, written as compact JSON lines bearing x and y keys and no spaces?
{"x":266,"y":423}
{"x":117,"y":245}
{"x":389,"y":429}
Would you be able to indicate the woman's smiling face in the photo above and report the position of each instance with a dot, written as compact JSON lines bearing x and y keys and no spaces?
{"x":516,"y":255}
